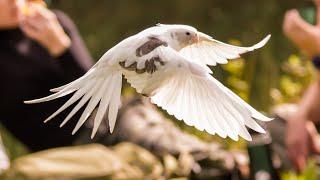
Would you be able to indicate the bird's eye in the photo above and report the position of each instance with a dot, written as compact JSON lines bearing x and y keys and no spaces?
{"x":187,"y":33}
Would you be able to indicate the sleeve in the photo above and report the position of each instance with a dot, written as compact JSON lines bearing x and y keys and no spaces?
{"x":76,"y":60}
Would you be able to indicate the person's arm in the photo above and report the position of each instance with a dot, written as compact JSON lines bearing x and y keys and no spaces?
{"x":307,"y":38}
{"x":300,"y":138}
{"x":310,"y":103}
{"x":76,"y":56}
{"x":304,"y":35}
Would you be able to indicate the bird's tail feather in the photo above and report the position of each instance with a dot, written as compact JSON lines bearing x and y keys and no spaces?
{"x":102,"y":91}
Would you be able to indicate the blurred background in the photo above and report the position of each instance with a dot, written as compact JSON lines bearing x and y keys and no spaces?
{"x":278,"y":73}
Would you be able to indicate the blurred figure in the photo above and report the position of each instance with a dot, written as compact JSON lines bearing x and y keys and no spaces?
{"x":301,"y":137}
{"x":39,"y":49}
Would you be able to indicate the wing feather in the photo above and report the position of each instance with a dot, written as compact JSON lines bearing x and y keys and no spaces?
{"x":72,"y":100}
{"x":115,"y":103}
{"x":218,"y":52}
{"x":192,"y":95}
{"x":186,"y":90}
{"x":103,"y":106}
{"x":80,"y":104}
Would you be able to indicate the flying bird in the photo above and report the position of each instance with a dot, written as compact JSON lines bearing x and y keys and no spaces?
{"x":168,"y":64}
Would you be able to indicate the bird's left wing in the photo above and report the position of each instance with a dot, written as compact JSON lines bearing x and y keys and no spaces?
{"x":209,"y":51}
{"x":192,"y":95}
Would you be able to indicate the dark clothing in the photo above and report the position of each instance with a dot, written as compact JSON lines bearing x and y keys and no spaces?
{"x":27,"y":71}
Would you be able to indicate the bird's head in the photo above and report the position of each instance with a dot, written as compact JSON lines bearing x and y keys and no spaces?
{"x":184,"y":35}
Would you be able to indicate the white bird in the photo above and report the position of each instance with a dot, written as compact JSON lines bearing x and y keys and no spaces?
{"x":168,"y":64}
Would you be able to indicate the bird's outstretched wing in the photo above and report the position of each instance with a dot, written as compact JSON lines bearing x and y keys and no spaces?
{"x":209,"y":51}
{"x":194,"y":96}
{"x":99,"y":88}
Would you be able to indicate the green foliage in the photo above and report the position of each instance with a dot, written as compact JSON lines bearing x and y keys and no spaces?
{"x":296,"y":74}
{"x":235,"y":79}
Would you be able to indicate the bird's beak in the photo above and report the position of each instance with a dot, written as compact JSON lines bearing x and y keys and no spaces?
{"x":195,"y":39}
{"x":203,"y":37}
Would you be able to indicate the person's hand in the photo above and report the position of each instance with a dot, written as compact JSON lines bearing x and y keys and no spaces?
{"x":297,"y":142}
{"x":301,"y":139}
{"x":42,"y":26}
{"x":301,"y":33}
{"x":314,"y":137}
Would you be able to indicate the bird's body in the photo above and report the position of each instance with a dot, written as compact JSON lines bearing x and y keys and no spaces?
{"x":167,"y":63}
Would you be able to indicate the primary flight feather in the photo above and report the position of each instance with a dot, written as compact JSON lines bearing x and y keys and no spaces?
{"x":169,"y":64}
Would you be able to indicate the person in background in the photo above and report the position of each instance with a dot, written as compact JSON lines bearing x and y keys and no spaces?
{"x":300,"y":139}
{"x":39,"y":49}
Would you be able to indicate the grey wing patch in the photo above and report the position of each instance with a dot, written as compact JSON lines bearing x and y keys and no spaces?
{"x":132,"y":67}
{"x":150,"y":65}
{"x":149,"y":46}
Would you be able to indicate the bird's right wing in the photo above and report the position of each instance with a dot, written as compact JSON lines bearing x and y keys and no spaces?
{"x":209,"y":51}
{"x":192,"y":95}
